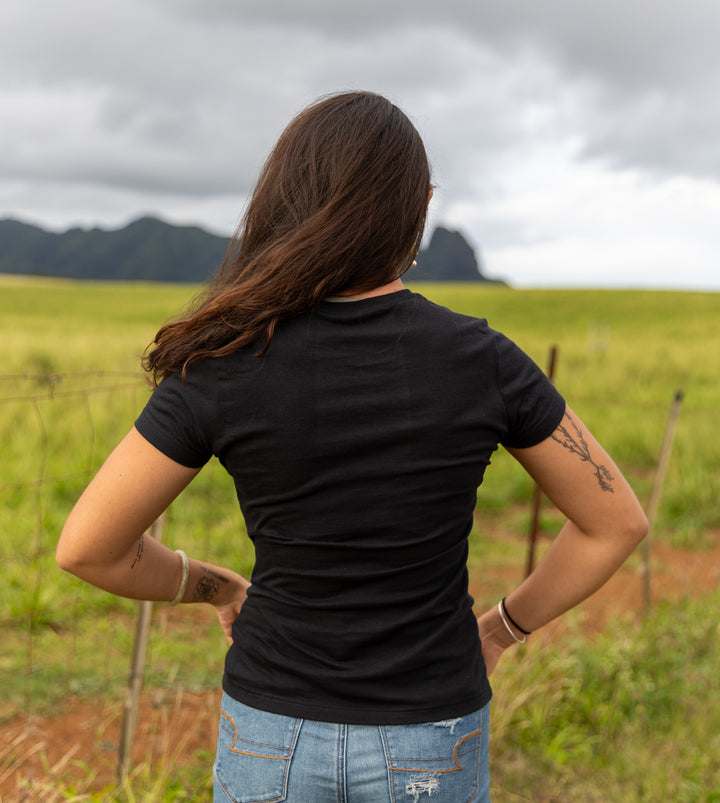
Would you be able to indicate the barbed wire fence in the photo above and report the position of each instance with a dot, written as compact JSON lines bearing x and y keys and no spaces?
{"x":62,"y":640}
{"x":44,"y":472}
{"x":30,"y":408}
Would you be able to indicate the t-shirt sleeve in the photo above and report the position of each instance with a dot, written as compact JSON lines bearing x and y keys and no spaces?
{"x":178,"y":418}
{"x":533,"y":405}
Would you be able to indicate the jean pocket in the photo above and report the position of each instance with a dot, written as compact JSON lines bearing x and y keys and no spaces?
{"x":254,"y":751}
{"x":440,"y":760}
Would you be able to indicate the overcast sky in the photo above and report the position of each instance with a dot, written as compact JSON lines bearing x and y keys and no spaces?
{"x":572,"y":143}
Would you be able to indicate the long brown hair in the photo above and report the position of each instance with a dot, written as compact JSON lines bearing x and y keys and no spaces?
{"x":340,"y":205}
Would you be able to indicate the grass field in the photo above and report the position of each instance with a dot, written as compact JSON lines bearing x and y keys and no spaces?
{"x":620,"y":717}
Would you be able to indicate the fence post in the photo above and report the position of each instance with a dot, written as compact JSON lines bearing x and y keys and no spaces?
{"x":656,"y":492}
{"x":537,"y":495}
{"x":137,"y":668}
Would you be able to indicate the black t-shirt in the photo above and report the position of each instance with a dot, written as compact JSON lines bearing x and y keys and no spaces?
{"x":357,"y":444}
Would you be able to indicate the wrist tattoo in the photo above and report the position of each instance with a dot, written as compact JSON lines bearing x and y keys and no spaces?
{"x":205,"y":590}
{"x":215,"y":574}
{"x":576,"y":443}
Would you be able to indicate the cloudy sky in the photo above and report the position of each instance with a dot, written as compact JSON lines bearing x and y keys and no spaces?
{"x":572,"y":143}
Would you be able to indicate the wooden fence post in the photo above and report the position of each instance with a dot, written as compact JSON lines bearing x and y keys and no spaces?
{"x":137,"y":668}
{"x":656,"y":492}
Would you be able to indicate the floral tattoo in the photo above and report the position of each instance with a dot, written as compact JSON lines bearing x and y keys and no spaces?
{"x":205,"y":590}
{"x":207,"y":587}
{"x":571,"y":438}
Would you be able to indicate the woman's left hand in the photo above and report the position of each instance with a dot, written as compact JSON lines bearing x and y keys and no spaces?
{"x":494,"y":637}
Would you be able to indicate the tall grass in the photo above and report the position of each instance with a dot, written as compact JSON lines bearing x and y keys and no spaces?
{"x":628,"y":717}
{"x":622,"y":355}
{"x":578,"y":721}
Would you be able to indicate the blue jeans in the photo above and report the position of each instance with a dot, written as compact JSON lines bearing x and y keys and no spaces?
{"x":268,"y":758}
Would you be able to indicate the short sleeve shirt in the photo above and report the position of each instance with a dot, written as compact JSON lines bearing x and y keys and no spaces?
{"x":357,"y":444}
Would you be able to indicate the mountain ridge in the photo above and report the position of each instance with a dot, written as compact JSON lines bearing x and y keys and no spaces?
{"x":150,"y":249}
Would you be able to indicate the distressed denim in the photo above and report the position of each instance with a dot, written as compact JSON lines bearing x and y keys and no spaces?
{"x":268,"y":758}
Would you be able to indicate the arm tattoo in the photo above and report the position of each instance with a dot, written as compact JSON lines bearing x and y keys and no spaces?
{"x":575,"y":443}
{"x":138,"y":551}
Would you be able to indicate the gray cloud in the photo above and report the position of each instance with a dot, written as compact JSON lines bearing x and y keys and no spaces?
{"x":178,"y":101}
{"x":176,"y":90}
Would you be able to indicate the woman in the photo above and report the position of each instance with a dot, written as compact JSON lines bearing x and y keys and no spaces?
{"x":356,"y":419}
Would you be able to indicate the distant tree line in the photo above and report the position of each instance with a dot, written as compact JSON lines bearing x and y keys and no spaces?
{"x":149,"y":249}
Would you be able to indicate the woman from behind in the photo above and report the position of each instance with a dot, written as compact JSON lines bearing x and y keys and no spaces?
{"x":356,"y":419}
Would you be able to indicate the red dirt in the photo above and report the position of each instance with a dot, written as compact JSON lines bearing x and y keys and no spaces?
{"x":82,"y":742}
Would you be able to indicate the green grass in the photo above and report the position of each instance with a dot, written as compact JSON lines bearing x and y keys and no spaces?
{"x":572,"y":720}
{"x":628,"y":717}
{"x":621,"y":356}
{"x":58,"y":326}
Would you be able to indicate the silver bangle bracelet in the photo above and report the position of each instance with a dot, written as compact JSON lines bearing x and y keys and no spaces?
{"x":507,"y":626}
{"x":184,"y":580}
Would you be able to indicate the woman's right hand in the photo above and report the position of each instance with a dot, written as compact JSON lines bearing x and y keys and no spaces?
{"x":228,"y":612}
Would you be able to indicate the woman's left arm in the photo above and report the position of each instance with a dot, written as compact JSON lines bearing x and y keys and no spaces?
{"x":605,"y":522}
{"x":104,"y":540}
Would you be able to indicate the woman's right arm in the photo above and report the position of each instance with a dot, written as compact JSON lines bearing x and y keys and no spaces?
{"x":605,"y":524}
{"x":103,"y":541}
